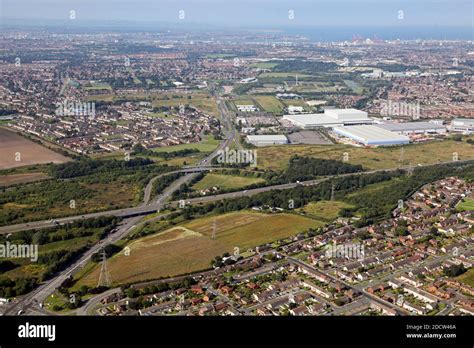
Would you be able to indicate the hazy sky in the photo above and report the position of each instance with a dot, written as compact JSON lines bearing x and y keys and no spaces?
{"x":252,"y":13}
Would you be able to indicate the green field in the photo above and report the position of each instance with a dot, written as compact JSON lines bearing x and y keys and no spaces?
{"x":296,"y":102}
{"x":218,"y":55}
{"x":207,"y":145}
{"x":467,"y":278}
{"x":189,"y":248}
{"x":225,"y":181}
{"x":202,"y":102}
{"x":28,"y":268}
{"x":98,"y":87}
{"x":244,"y":101}
{"x":324,"y":210}
{"x":100,"y":97}
{"x":263,"y":65}
{"x":269,"y":104}
{"x":276,"y":157}
{"x":372,"y":189}
{"x":51,"y":198}
{"x":354,"y":86}
{"x":466,"y":204}
{"x":284,"y":74}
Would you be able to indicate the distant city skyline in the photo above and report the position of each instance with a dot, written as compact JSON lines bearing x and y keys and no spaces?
{"x":249,"y":13}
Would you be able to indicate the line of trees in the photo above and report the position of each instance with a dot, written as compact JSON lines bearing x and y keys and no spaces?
{"x":90,"y":166}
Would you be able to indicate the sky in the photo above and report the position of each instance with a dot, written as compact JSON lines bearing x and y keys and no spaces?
{"x":250,"y":13}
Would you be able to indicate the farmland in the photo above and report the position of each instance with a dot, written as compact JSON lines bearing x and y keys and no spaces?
{"x":189,"y":247}
{"x":16,"y":179}
{"x":225,"y":181}
{"x":18,"y":151}
{"x":276,"y":157}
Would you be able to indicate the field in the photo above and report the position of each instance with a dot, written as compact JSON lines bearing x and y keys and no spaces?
{"x":225,"y":181}
{"x":243,"y":101}
{"x":269,"y":104}
{"x":296,"y":102}
{"x":189,"y":247}
{"x":466,"y":204}
{"x":47,"y":199}
{"x":192,"y":159}
{"x":15,"y":179}
{"x":98,"y":87}
{"x":372,"y":189}
{"x":276,"y":157}
{"x":324,"y":210}
{"x":27,"y":268}
{"x":467,"y":278}
{"x":29,"y":152}
{"x":202,"y":102}
{"x":354,"y":86}
{"x":263,"y":65}
{"x":284,"y":75}
{"x":207,"y":145}
{"x":100,"y":97}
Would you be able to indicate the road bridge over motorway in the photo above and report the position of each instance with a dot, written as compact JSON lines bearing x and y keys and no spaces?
{"x":158,"y":204}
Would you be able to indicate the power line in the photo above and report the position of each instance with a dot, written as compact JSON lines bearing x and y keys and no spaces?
{"x":104,"y":277}
{"x":214,"y":229}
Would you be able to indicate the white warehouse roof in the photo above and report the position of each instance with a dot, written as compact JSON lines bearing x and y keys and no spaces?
{"x":267,"y":139}
{"x":411,"y":126}
{"x":372,"y":135}
{"x":346,"y":114}
{"x":463,"y":122}
{"x":330,"y":118}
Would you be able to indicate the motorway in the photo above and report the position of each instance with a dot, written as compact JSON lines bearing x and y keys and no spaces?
{"x":44,"y":290}
{"x":157,"y":204}
{"x":31,"y":302}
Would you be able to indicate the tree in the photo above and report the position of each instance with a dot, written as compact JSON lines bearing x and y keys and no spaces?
{"x":454,"y":270}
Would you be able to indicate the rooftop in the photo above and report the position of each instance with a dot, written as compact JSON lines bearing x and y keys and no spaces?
{"x":371,"y":135}
{"x":276,"y":137}
{"x":330,"y":117}
{"x":410,"y":126}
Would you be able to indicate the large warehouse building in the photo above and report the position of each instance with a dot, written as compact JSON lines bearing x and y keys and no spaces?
{"x":407,"y":128}
{"x":465,"y":125}
{"x":372,"y":135}
{"x":266,"y":140}
{"x":330,"y":118}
